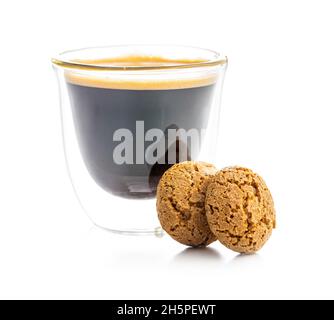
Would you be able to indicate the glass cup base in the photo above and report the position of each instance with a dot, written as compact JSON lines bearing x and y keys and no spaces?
{"x":139,"y":218}
{"x":156,"y":232}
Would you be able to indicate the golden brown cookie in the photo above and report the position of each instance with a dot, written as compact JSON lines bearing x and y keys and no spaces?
{"x":240,"y":209}
{"x":180,"y":202}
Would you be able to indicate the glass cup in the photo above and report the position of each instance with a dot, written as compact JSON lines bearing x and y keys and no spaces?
{"x":128,"y":114}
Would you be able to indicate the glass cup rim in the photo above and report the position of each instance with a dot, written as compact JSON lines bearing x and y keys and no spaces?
{"x":60,"y":60}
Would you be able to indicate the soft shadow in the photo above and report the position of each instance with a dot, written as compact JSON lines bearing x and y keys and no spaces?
{"x":197,"y":255}
{"x":242,"y":260}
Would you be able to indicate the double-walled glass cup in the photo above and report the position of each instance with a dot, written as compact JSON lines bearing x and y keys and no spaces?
{"x":128,"y":114}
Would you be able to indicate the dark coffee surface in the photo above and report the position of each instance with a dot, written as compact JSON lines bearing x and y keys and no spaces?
{"x":99,"y":112}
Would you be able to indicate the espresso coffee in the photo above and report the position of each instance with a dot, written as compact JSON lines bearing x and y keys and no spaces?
{"x":112,"y":116}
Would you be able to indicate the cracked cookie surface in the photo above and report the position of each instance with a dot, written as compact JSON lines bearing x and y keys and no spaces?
{"x":181,"y":202}
{"x":240,"y":209}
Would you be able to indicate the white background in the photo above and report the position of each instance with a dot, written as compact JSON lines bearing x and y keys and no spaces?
{"x":278,"y":120}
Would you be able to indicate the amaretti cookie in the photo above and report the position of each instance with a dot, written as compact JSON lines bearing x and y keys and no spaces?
{"x":240,"y":209}
{"x":181,"y":202}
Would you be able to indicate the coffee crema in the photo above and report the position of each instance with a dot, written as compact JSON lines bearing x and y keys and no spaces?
{"x":138,"y":61}
{"x":157,"y":83}
{"x":105,"y":102}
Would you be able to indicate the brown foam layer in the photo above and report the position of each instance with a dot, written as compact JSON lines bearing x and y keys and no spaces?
{"x":138,"y":61}
{"x":135,"y":83}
